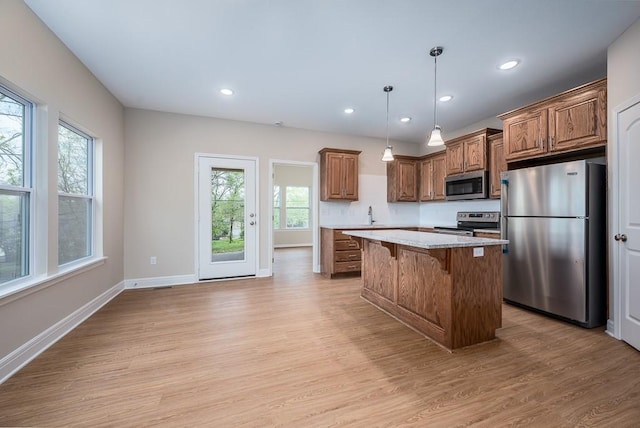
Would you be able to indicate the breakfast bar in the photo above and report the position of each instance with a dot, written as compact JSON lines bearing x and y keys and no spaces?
{"x":446,"y":287}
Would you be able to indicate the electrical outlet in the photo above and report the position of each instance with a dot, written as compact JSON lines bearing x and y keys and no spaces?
{"x":153,"y":260}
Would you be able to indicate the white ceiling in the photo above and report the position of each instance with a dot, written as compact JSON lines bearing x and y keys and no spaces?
{"x":303,"y":61}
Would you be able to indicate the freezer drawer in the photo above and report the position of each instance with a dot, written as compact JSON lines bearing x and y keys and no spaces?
{"x":544,"y":267}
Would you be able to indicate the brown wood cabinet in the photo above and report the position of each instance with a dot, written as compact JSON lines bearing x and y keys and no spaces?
{"x":432,"y":173}
{"x":486,"y":235}
{"x":339,"y":253}
{"x":446,"y":294}
{"x":402,"y":179}
{"x":497,"y":164}
{"x":338,"y":175}
{"x":468,"y":152}
{"x":573,"y":120}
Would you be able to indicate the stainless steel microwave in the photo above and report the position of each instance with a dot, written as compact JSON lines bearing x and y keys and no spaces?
{"x":472,"y":185}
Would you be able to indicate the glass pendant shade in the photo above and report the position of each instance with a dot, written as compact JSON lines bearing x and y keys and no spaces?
{"x":387,"y":156}
{"x":436,"y":138}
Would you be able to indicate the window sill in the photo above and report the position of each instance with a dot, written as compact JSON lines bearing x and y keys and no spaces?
{"x":22,"y":288}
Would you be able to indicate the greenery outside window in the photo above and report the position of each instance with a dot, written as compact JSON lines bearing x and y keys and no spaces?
{"x":297,"y":207}
{"x":16,"y":118}
{"x":75,"y":194}
{"x":276,"y":207}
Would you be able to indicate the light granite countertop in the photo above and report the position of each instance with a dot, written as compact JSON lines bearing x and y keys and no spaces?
{"x":425,"y":240}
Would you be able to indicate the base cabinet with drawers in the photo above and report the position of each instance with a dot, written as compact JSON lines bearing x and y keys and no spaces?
{"x":341,"y":255}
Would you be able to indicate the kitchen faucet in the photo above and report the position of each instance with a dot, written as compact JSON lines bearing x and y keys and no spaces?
{"x":371,"y":220}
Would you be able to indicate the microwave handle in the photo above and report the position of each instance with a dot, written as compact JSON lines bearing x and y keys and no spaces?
{"x":504,"y":209}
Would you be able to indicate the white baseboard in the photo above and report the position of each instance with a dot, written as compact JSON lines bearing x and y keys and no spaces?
{"x":161,"y":281}
{"x":263,"y":273}
{"x":292,"y":245}
{"x":17,"y":359}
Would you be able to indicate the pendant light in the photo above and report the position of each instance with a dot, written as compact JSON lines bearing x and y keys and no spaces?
{"x":387,"y":156}
{"x":436,"y":138}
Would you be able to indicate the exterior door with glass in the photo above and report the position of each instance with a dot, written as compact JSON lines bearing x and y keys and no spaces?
{"x":227,"y":218}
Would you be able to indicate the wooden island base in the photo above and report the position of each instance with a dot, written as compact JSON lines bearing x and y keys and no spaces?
{"x":446,"y":294}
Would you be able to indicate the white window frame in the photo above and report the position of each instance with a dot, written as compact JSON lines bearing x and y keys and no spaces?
{"x":90,"y":196}
{"x":27,"y":187}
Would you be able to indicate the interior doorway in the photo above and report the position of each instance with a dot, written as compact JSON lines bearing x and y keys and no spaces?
{"x":294,"y":213}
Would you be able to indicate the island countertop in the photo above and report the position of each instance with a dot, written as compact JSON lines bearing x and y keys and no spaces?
{"x":426,"y":240}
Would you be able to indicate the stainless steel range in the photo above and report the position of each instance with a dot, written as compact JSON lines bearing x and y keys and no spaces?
{"x":468,"y":221}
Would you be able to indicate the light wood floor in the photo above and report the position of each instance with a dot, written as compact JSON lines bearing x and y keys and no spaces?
{"x":299,"y":350}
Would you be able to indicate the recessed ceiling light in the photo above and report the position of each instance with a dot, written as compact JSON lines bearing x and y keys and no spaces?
{"x":349,"y":110}
{"x":509,"y":65}
{"x":405,"y":119}
{"x":446,"y":98}
{"x":226,"y":91}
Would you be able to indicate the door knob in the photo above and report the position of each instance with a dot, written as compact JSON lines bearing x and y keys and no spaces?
{"x":620,"y":237}
{"x":252,"y":223}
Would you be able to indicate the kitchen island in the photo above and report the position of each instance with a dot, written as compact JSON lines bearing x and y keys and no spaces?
{"x":447,"y":287}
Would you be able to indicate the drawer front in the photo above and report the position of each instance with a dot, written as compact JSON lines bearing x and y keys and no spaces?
{"x":348,"y":256}
{"x":346,"y":245}
{"x":339,"y":236}
{"x":354,"y":266}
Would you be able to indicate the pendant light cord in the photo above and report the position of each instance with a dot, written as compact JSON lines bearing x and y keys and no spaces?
{"x":435,"y":80}
{"x":387,"y":118}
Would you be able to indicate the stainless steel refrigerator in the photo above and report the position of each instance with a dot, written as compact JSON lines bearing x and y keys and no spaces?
{"x":554,"y":217}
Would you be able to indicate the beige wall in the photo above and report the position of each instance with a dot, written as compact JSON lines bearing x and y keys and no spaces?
{"x":35,"y":62}
{"x":623,"y":84}
{"x":159,"y":172}
{"x":293,"y":175}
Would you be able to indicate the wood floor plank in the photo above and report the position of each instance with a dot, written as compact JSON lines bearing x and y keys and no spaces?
{"x":302,"y":350}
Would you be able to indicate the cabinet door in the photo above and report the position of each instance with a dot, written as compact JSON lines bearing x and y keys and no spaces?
{"x":525,"y":135}
{"x":579,"y":121}
{"x":497,"y":164}
{"x":407,"y":180}
{"x":455,"y":158}
{"x":475,"y":156}
{"x":426,"y":180}
{"x":350,"y":177}
{"x":334,"y":176}
{"x":439,"y":173}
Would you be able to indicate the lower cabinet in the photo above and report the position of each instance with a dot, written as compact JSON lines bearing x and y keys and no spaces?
{"x":339,"y":253}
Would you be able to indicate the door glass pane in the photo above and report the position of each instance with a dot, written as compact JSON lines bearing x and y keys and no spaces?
{"x":227,"y":214}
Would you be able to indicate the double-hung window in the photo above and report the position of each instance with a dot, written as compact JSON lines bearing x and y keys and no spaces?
{"x":75,"y":194}
{"x":16,"y":117}
{"x":297,"y":207}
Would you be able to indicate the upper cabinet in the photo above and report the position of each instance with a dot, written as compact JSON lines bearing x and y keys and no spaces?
{"x":468,"y":152}
{"x":432,"y":173}
{"x":573,"y":120}
{"x":402,"y":179}
{"x":338,"y":175}
{"x":497,"y":164}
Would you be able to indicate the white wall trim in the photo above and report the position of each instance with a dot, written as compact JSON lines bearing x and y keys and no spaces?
{"x":315,"y":207}
{"x":310,"y":244}
{"x":264,"y":273}
{"x":160,"y":281}
{"x":19,"y":358}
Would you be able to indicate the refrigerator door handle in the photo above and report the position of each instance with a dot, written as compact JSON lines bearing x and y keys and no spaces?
{"x":504,"y":211}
